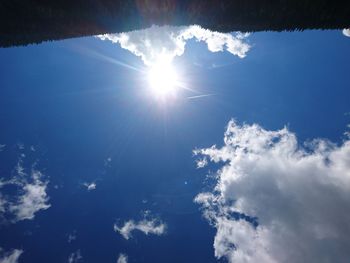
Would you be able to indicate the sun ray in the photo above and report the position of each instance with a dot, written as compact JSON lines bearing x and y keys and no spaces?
{"x":200,"y":96}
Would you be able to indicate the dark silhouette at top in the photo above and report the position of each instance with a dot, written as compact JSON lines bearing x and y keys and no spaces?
{"x":33,"y":21}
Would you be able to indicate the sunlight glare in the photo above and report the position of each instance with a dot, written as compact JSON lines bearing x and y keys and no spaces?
{"x":163,"y":79}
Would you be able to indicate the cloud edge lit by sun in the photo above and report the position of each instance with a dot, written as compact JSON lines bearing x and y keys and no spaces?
{"x":168,"y":42}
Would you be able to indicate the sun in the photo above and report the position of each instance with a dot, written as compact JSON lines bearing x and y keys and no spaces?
{"x":163,"y":80}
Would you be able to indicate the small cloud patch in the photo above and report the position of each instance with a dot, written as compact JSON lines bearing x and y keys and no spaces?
{"x":148,"y":225}
{"x":122,"y":258}
{"x":346,"y":32}
{"x":75,"y":257}
{"x":90,"y":186}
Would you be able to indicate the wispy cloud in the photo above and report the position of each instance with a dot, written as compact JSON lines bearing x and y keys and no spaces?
{"x":75,"y":257}
{"x":168,"y":42}
{"x":2,"y":147}
{"x":10,"y":257}
{"x":108,"y":162}
{"x":72,"y":236}
{"x":3,"y":204}
{"x":29,"y":198}
{"x":33,"y":199}
{"x":275,"y":201}
{"x":122,"y":258}
{"x":148,"y":225}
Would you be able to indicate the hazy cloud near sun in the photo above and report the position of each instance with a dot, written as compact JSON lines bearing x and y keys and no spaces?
{"x":148,"y":225}
{"x":300,"y":197}
{"x":170,"y":41}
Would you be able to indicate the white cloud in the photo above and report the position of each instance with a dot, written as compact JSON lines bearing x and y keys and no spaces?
{"x":148,"y":225}
{"x":346,"y":32}
{"x":11,"y":257}
{"x":202,"y":162}
{"x":33,"y":199}
{"x":300,"y":197}
{"x":75,"y":257}
{"x":90,"y":186}
{"x":166,"y":42}
{"x":29,"y":198}
{"x":122,"y":258}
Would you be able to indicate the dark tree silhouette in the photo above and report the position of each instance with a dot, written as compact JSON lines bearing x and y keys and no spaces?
{"x":33,"y":21}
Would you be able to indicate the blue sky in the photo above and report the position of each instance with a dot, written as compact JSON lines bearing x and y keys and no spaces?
{"x":71,"y":110}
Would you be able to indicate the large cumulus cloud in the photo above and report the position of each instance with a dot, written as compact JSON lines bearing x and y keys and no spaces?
{"x":277,"y":201}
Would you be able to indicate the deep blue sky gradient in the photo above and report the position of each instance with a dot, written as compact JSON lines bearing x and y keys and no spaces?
{"x":78,"y":109}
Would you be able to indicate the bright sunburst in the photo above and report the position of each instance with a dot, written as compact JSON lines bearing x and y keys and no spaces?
{"x":163,"y":80}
